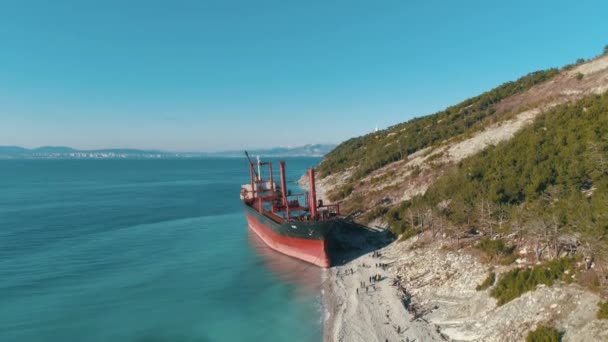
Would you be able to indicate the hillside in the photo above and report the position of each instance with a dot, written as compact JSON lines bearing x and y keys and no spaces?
{"x":548,"y":181}
{"x":535,"y":154}
{"x":375,"y":150}
{"x":500,"y":207}
{"x":532,"y":163}
{"x":391,"y":166}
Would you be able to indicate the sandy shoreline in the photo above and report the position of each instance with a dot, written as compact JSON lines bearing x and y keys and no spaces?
{"x":370,"y":313}
{"x":374,"y":312}
{"x":441,"y":285}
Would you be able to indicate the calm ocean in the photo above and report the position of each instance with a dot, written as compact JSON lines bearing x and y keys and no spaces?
{"x":144,"y":250}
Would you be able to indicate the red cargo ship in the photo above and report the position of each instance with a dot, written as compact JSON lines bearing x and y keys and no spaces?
{"x":294,"y":224}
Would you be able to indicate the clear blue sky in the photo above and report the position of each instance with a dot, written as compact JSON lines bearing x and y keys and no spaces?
{"x":213,"y":75}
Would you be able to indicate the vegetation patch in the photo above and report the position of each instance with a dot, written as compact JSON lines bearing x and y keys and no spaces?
{"x":396,"y":222}
{"x":544,"y":334}
{"x":416,"y":171}
{"x":378,"y":211}
{"x":602,"y":312}
{"x":495,"y":247}
{"x":409,"y":233}
{"x":513,"y":284}
{"x":508,"y":259}
{"x":382,"y":178}
{"x":488,"y":282}
{"x":341,"y":192}
{"x":355,"y":206}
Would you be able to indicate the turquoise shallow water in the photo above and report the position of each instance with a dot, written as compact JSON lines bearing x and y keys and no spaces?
{"x":144,"y":250}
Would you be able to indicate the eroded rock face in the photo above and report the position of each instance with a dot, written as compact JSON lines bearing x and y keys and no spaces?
{"x":443,"y":283}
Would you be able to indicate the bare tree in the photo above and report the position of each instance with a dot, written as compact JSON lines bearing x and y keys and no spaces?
{"x":411,"y":215}
{"x":553,"y":234}
{"x":502,"y":216}
{"x":516,"y":222}
{"x":599,"y":157}
{"x":537,"y":229}
{"x":545,"y":233}
{"x":486,"y":220}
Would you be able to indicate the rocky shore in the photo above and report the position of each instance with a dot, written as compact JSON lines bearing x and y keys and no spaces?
{"x":427,"y":293}
{"x":361,"y":308}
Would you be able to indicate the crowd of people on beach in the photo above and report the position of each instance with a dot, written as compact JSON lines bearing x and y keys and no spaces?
{"x":382,"y":266}
{"x":366,"y":287}
{"x":346,"y":272}
{"x":371,"y":285}
{"x":375,"y":278}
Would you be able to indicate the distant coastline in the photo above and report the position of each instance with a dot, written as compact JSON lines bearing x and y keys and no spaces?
{"x":61,"y":152}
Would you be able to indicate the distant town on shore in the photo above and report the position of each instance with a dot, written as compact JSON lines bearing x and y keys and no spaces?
{"x":61,"y":152}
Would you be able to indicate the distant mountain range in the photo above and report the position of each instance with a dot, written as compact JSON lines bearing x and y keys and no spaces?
{"x":62,"y":152}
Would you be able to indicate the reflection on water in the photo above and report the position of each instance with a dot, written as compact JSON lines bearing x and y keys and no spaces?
{"x":306,"y":277}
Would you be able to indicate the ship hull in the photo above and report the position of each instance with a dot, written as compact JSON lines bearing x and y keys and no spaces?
{"x":307,"y":241}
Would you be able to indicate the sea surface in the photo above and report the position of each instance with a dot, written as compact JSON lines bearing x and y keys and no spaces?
{"x":144,"y":250}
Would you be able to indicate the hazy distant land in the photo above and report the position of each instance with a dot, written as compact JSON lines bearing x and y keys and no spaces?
{"x":61,"y":152}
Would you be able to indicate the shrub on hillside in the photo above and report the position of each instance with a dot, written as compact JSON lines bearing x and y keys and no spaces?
{"x":408,"y":233}
{"x":544,"y":334}
{"x":602,"y":312}
{"x":396,"y":220}
{"x":375,"y":213}
{"x":341,"y":193}
{"x":488,"y":282}
{"x":519,"y":281}
{"x":495,"y":247}
{"x":568,"y":67}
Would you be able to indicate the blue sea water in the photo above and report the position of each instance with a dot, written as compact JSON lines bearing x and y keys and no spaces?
{"x":144,"y":250}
